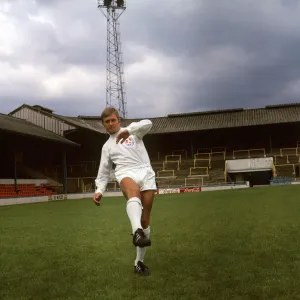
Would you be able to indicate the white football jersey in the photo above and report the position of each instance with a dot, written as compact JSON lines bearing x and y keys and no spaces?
{"x":128,"y":155}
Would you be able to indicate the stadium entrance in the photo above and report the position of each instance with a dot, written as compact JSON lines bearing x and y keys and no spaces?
{"x":257,"y":171}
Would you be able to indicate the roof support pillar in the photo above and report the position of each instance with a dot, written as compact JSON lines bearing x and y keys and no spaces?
{"x":64,"y":168}
{"x":192,"y":148}
{"x":270,"y":144}
{"x":15,"y":172}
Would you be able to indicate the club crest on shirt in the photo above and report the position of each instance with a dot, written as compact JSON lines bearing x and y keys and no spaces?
{"x":129,"y":142}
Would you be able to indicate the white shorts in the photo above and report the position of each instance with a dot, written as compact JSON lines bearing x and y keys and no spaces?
{"x":144,"y":177}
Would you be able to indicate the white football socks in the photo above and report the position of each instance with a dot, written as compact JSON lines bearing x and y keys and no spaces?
{"x":140,"y":252}
{"x":134,"y":212}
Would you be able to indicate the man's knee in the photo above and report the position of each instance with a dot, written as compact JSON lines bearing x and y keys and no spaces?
{"x":130,"y":193}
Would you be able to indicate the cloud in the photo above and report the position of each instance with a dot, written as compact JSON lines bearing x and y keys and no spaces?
{"x":179,"y":56}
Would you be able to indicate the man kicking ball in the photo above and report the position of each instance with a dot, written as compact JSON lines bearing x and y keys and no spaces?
{"x":126,"y":150}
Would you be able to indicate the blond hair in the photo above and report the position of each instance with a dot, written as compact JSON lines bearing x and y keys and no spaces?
{"x":108,"y":111}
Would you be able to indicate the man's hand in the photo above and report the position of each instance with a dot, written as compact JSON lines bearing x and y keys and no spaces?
{"x":97,"y":198}
{"x":122,"y":136}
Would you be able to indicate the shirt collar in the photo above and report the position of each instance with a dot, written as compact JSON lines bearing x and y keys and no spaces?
{"x":115,"y":134}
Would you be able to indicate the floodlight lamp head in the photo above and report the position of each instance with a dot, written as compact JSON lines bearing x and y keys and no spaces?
{"x":111,"y":4}
{"x":120,"y":3}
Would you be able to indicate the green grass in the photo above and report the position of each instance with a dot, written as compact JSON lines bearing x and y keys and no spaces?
{"x":241,"y":244}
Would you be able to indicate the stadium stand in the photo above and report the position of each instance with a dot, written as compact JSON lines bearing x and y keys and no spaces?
{"x":26,"y":150}
{"x":185,"y":149}
{"x":287,"y":162}
{"x":27,"y":190}
{"x":203,"y":167}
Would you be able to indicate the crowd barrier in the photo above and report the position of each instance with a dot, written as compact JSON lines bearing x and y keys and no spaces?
{"x":286,"y":181}
{"x":161,"y":191}
{"x":203,"y":188}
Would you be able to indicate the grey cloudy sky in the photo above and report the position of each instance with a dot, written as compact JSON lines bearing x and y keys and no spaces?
{"x":179,"y":55}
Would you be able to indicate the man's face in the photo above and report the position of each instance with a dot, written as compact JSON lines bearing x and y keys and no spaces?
{"x":111,"y":124}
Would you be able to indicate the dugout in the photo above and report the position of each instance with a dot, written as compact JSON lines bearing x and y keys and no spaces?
{"x":29,"y":152}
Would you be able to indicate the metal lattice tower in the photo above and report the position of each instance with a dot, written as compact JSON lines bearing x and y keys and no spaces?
{"x":115,"y":94}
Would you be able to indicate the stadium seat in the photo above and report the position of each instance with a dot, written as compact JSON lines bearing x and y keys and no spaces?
{"x":25,"y":190}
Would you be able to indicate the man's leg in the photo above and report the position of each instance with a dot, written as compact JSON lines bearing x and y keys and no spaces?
{"x":147,"y":201}
{"x":134,"y":209}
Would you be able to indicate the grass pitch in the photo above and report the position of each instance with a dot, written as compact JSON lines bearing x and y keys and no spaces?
{"x":241,"y":244}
